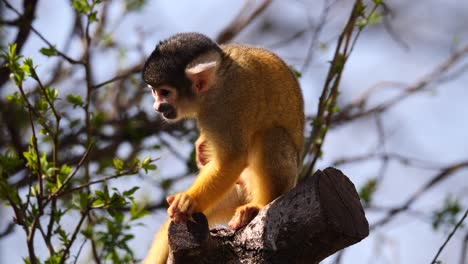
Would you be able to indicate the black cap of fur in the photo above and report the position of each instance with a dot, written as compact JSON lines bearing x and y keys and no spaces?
{"x":167,"y":63}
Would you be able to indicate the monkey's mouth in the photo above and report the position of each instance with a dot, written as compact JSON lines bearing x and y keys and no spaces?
{"x":170,"y":114}
{"x":168,"y":111}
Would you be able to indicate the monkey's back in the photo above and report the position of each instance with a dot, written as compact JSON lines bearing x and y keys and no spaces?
{"x":265,"y":90}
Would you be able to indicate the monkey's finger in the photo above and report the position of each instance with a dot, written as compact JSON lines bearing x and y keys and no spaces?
{"x":170,"y":199}
{"x":177,"y":218}
{"x":174,"y":208}
{"x":185,"y":205}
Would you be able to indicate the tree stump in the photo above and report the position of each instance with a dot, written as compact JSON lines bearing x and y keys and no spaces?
{"x":320,"y":216}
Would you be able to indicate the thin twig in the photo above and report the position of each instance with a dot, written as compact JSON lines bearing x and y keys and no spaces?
{"x":87,"y":184}
{"x":433,"y":76}
{"x":330,"y":92}
{"x":241,"y":21}
{"x":447,"y":171}
{"x":449,"y":237}
{"x":79,"y":251}
{"x":61,"y":54}
{"x":125,"y":74}
{"x":74,"y":235}
{"x":316,"y":34}
{"x":65,"y":182}
{"x":8,"y":230}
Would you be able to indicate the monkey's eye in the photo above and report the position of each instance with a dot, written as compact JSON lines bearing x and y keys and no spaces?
{"x":164,"y":92}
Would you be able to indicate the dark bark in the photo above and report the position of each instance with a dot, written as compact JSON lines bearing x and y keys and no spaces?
{"x":320,"y":216}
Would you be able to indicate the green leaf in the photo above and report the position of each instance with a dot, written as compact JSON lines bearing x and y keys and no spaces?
{"x":118,"y":164}
{"x":31,"y":158}
{"x":338,"y":63}
{"x":87,"y":232}
{"x":134,"y":5}
{"x":16,"y":98}
{"x":335,"y":109}
{"x":130,"y":192}
{"x":93,"y":17}
{"x":51,"y":93}
{"x":50,"y":51}
{"x":99,"y":203}
{"x":136,"y":211}
{"x":366,"y":192}
{"x":54,"y":259}
{"x":9,"y":162}
{"x":41,"y":105}
{"x":448,"y":214}
{"x":374,"y":18}
{"x":107,"y":40}
{"x":28,"y":67}
{"x":97,"y":119}
{"x":81,"y":6}
{"x":297,"y":73}
{"x":362,"y":23}
{"x":81,"y":200}
{"x":166,"y":184}
{"x":75,"y":100}
{"x":147,"y":166}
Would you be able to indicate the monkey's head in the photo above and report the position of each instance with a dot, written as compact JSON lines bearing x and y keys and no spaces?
{"x":179,"y":71}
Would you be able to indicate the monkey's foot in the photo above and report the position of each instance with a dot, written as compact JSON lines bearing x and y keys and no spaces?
{"x":181,"y":207}
{"x":244,"y":214}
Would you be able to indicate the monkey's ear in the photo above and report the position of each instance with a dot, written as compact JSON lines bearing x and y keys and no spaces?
{"x":202,"y":76}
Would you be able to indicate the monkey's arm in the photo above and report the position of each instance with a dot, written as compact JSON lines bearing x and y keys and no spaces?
{"x":213,"y":181}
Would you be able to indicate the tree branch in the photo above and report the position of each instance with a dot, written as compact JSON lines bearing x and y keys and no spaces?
{"x":241,"y":21}
{"x":449,"y":237}
{"x":325,"y":204}
{"x":436,"y":179}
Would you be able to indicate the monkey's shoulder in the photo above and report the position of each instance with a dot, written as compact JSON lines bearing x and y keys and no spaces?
{"x":251,"y":55}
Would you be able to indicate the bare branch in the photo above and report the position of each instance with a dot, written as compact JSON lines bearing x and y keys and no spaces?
{"x":122,"y":75}
{"x":241,"y":21}
{"x":434,"y":76}
{"x":445,"y":173}
{"x":61,"y":54}
{"x":8,"y":230}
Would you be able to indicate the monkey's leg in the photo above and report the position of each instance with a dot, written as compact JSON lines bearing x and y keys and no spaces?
{"x":273,"y":160}
{"x":221,"y":212}
{"x":160,"y":248}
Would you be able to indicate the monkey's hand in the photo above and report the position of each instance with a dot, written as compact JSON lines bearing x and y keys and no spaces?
{"x":244,"y":214}
{"x":181,"y":207}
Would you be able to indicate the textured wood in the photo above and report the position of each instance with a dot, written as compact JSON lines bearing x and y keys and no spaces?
{"x":320,"y":216}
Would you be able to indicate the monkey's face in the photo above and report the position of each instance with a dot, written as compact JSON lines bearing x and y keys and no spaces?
{"x":171,"y":103}
{"x":165,"y":101}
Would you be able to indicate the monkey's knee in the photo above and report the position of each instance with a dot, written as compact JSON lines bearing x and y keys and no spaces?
{"x":159,"y":250}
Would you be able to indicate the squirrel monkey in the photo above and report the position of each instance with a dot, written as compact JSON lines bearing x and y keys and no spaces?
{"x":249,"y":111}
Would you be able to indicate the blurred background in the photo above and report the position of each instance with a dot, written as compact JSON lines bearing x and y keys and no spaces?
{"x":400,"y":135}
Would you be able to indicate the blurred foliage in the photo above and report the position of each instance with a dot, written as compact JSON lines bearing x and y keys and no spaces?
{"x":58,"y":156}
{"x":448,"y":215}
{"x":367,"y":191}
